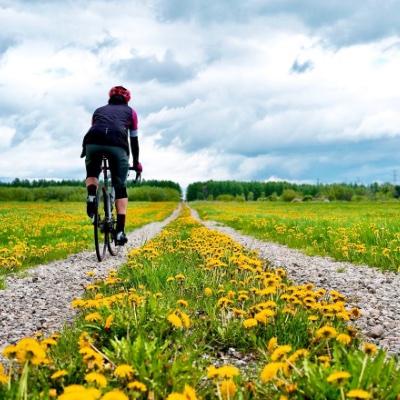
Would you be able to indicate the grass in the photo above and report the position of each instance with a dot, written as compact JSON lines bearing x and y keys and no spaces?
{"x":164,"y":326}
{"x":361,"y":233}
{"x":36,"y":233}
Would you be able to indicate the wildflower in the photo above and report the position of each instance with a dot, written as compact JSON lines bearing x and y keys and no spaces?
{"x":250,"y":322}
{"x":280,"y":352}
{"x":369,"y":348}
{"x":338,"y":376}
{"x":48,"y":342}
{"x":10,"y":352}
{"x":270,"y":370}
{"x":227,"y":388}
{"x":272,"y":344}
{"x":109,"y":321}
{"x":115,"y":395}
{"x":358,"y":394}
{"x":174,"y":320}
{"x":124,"y":371}
{"x":325,"y":359}
{"x":59,"y":374}
{"x":326,"y":332}
{"x":355,"y":313}
{"x":343,"y":338}
{"x":90,"y":273}
{"x":180,"y":276}
{"x":224,"y":301}
{"x":78,"y":303}
{"x":182,"y":303}
{"x":226,"y":371}
{"x":93,"y":317}
{"x":185,"y":319}
{"x":208,"y":291}
{"x":170,"y":279}
{"x":99,"y":379}
{"x":30,"y":349}
{"x":136,"y":385}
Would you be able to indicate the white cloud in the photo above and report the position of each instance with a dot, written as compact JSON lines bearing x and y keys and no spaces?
{"x":246,"y":90}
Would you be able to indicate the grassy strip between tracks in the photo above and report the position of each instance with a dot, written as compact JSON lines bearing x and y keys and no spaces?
{"x":193,"y":315}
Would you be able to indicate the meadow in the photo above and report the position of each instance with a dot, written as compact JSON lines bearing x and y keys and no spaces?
{"x":194,"y":315}
{"x":362,"y":233}
{"x":35,"y":233}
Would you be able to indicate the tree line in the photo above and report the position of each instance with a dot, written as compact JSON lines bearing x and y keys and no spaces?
{"x":286,"y":191}
{"x":73,"y":190}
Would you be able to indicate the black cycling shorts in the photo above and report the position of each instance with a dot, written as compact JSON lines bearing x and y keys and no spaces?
{"x":117,"y":158}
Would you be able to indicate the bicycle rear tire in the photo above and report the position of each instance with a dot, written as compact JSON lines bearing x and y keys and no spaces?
{"x":100,"y":223}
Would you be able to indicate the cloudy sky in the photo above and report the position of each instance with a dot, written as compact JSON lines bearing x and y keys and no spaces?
{"x":297,"y":90}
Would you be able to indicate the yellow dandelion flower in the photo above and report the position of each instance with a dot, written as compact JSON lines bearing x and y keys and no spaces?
{"x":272,"y":344}
{"x":280,"y":352}
{"x":326,"y":332}
{"x":355,"y":313}
{"x":325,"y":359}
{"x":227,"y":388}
{"x":174,"y":320}
{"x":115,"y":395}
{"x":208,"y":291}
{"x":170,"y":279}
{"x":91,"y":273}
{"x":227,"y":371}
{"x":338,"y":376}
{"x":136,"y":385}
{"x":93,"y":317}
{"x":270,"y":371}
{"x":250,"y":322}
{"x":176,"y":396}
{"x":185,"y":319}
{"x":189,"y":393}
{"x":180,"y":276}
{"x":99,"y":379}
{"x":78,"y":303}
{"x":369,"y":348}
{"x":109,"y":321}
{"x":182,"y":303}
{"x":343,"y":338}
{"x":358,"y":394}
{"x":59,"y":374}
{"x":10,"y":352}
{"x":124,"y":371}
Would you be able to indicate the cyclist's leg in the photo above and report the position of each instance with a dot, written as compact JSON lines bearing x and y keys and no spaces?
{"x":119,"y":165}
{"x":93,"y":160}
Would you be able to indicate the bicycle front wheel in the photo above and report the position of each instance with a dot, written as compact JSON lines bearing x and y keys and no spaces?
{"x":100,"y":228}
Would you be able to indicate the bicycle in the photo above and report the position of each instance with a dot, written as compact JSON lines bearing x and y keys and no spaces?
{"x":104,"y":219}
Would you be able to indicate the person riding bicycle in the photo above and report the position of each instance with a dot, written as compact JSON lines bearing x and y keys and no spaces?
{"x":112,"y":124}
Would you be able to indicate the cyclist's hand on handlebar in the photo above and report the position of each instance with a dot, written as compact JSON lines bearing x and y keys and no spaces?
{"x":138,"y":167}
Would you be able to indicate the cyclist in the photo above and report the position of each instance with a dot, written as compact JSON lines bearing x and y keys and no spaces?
{"x":112,"y":124}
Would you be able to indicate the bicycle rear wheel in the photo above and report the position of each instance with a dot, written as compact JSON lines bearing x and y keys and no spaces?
{"x":100,"y":228}
{"x":112,"y":247}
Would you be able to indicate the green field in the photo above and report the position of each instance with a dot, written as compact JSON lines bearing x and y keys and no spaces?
{"x":35,"y":233}
{"x":361,"y":233}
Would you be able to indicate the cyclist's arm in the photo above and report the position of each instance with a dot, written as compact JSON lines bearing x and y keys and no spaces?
{"x":134,"y":139}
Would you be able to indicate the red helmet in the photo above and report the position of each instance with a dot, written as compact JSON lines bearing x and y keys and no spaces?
{"x":120,"y":90}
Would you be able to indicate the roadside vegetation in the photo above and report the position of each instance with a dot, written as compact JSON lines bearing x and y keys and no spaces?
{"x":194,"y":315}
{"x":36,"y":233}
{"x":361,"y":233}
